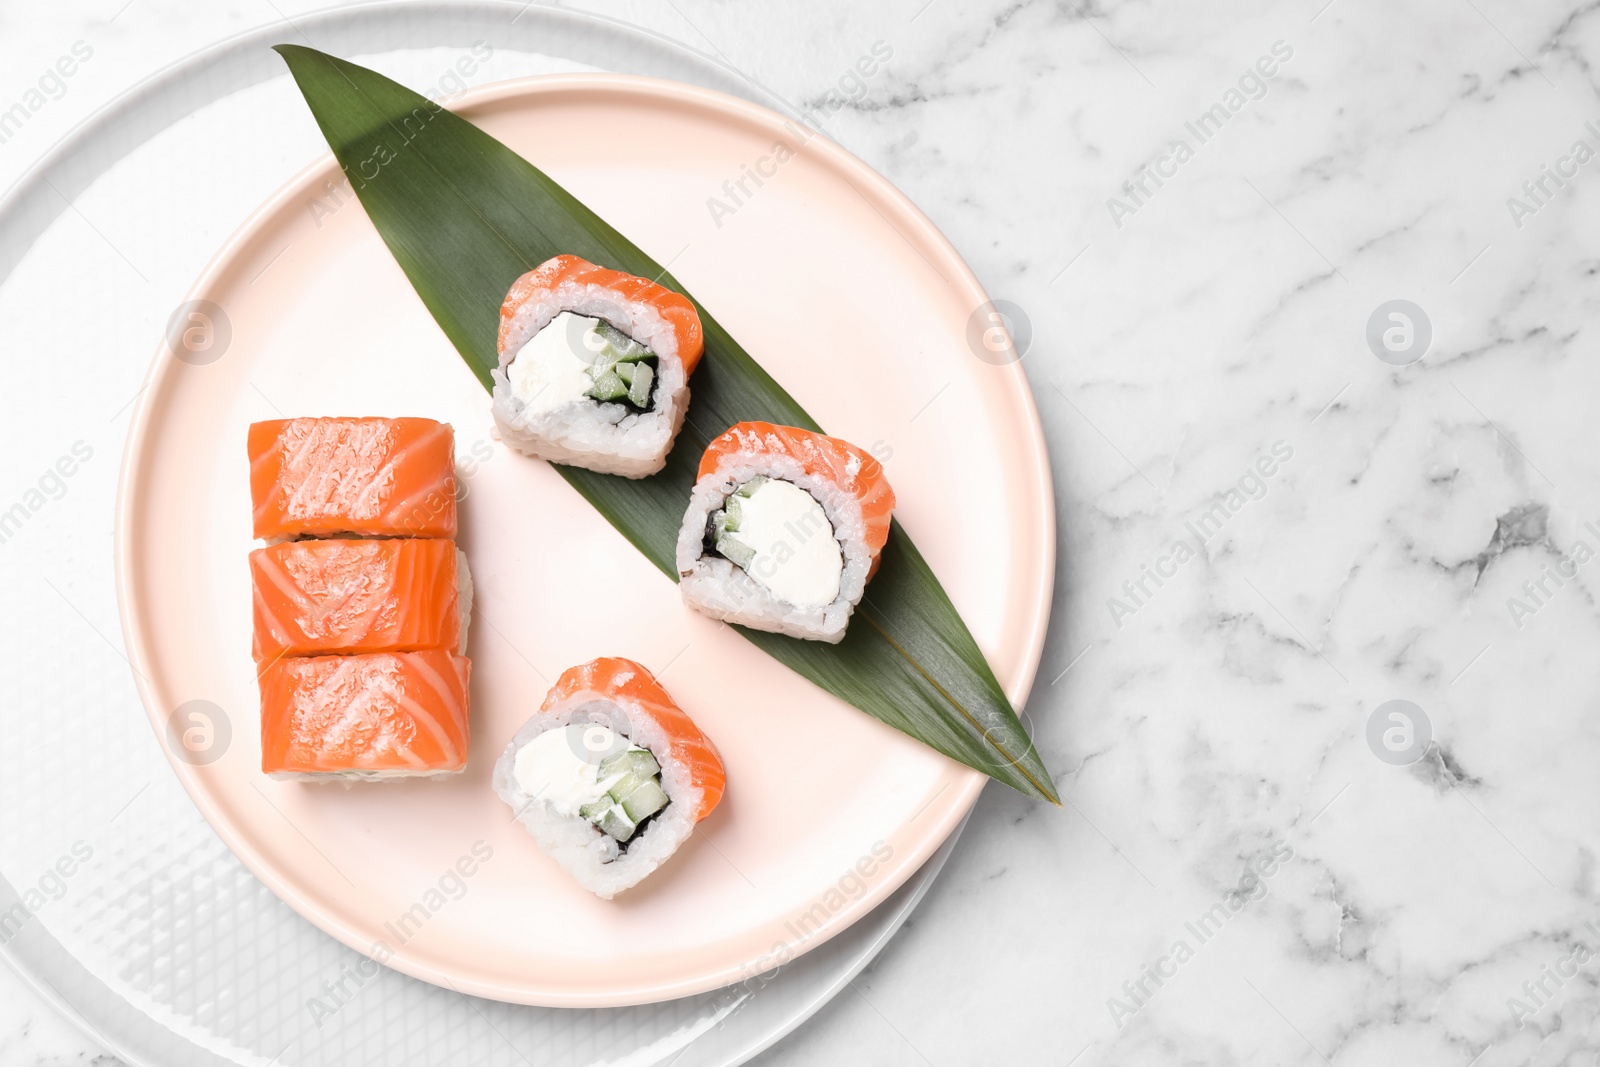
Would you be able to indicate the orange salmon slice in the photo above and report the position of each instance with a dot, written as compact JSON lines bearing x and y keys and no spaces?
{"x":349,"y":596}
{"x":387,"y":714}
{"x":368,"y":477}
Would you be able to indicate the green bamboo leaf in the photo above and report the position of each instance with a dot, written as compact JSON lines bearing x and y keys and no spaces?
{"x":465,"y":216}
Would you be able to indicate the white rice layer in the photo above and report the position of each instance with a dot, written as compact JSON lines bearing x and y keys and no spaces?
{"x":609,"y":438}
{"x":352,"y":777}
{"x":723,"y":590}
{"x":574,"y":842}
{"x":463,"y":597}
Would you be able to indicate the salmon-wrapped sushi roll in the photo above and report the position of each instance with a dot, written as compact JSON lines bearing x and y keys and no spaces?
{"x":783,"y":530}
{"x":385,"y":715}
{"x":594,"y":367}
{"x":368,"y":477}
{"x":610,"y":776}
{"x":390,"y":595}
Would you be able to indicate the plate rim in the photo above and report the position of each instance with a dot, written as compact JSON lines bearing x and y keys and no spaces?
{"x":967,"y":783}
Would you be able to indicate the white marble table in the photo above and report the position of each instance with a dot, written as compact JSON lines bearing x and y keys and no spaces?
{"x":1200,"y":209}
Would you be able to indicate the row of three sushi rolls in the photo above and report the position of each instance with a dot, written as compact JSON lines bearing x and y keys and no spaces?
{"x":361,"y":599}
{"x":784,"y":526}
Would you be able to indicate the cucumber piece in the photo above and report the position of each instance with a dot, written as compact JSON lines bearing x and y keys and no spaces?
{"x":612,"y":336}
{"x":595,"y":811}
{"x":619,"y":370}
{"x":622,"y":348}
{"x":626,"y":784}
{"x":617,"y":823}
{"x":608,"y":387}
{"x":633,"y":761}
{"x":639,"y":389}
{"x":724,"y":520}
{"x":737,"y":551}
{"x":644,"y":802}
{"x":727,"y":520}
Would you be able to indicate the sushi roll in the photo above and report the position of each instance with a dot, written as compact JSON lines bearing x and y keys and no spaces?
{"x":783,"y":531}
{"x":594,"y":367}
{"x":389,"y":595}
{"x":367,"y":717}
{"x":609,"y":776}
{"x":367,"y":477}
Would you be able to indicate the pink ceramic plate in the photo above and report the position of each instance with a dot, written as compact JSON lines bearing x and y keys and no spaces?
{"x":828,"y":276}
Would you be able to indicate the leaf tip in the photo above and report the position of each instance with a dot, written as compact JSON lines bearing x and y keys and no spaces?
{"x":1043,"y":783}
{"x":292,"y":53}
